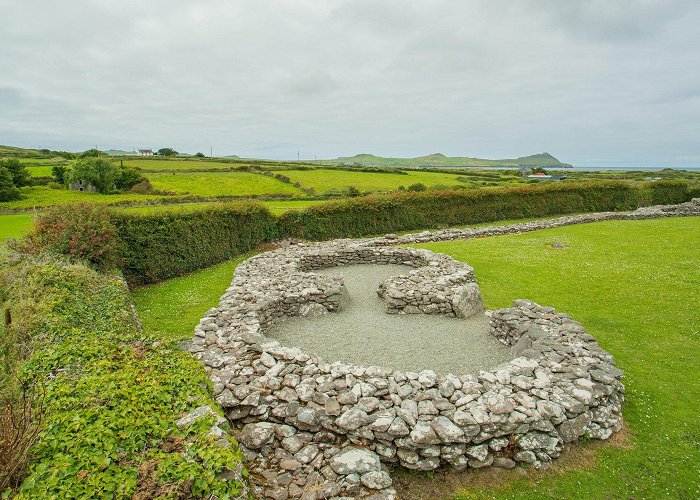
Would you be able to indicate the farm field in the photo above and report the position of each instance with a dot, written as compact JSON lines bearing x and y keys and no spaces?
{"x":174,"y":165}
{"x":322,"y":180}
{"x":218,"y":184}
{"x":14,"y":226}
{"x":634,"y":292}
{"x":43,"y":196}
{"x":39,"y":170}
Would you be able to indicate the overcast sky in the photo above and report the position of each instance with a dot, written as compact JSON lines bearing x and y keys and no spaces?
{"x":590,"y":81}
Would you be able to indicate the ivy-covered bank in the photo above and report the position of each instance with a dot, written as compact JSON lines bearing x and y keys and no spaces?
{"x":114,"y":396}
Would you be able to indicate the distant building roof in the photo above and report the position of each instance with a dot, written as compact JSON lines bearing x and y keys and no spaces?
{"x":145,"y":150}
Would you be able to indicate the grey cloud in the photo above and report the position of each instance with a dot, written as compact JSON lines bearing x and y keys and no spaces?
{"x":586,"y":80}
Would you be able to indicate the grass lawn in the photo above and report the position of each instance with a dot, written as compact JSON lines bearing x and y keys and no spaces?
{"x":635,"y":286}
{"x":171,"y":309}
{"x":14,"y":226}
{"x":43,"y":196}
{"x":323,"y":180}
{"x":224,"y":183}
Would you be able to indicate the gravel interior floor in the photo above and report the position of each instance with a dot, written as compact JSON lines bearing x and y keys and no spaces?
{"x":362,"y":333}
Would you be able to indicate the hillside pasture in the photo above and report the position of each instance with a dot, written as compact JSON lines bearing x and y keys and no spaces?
{"x":322,"y":180}
{"x":222,"y":184}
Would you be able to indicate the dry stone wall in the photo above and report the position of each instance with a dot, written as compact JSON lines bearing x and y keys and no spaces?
{"x":318,"y":428}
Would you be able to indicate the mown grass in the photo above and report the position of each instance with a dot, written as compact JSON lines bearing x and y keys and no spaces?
{"x":14,"y":226}
{"x":221,"y":183}
{"x":171,"y":309}
{"x":322,"y":180}
{"x":635,"y":285}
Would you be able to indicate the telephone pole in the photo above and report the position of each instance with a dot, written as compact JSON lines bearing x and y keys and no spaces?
{"x":297,"y":155}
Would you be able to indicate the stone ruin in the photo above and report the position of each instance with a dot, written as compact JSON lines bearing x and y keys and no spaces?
{"x":316,"y":428}
{"x":312,"y":428}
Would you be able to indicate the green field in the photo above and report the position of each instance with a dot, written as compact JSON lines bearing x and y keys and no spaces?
{"x":323,"y":180}
{"x":224,"y":183}
{"x":40,"y":170}
{"x":43,"y":196}
{"x":635,"y":286}
{"x":171,"y":309}
{"x":174,"y":164}
{"x":14,"y":226}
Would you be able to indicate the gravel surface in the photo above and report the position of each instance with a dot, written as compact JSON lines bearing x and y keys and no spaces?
{"x":362,"y":333}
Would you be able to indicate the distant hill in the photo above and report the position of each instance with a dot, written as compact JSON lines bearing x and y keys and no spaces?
{"x":13,"y":152}
{"x":119,"y":152}
{"x":440,"y":160}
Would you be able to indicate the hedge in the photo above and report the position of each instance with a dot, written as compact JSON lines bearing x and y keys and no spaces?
{"x":405,"y":211}
{"x":157,"y":246}
{"x":112,"y":394}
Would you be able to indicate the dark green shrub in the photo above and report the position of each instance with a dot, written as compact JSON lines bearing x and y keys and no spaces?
{"x":8,"y":190}
{"x":20,"y":174}
{"x":405,"y":211}
{"x":417,"y":187}
{"x":158,"y":246}
{"x":128,"y":177}
{"x":59,"y":173}
{"x":80,"y":230}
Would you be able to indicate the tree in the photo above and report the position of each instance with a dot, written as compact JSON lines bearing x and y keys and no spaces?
{"x":8,"y":191}
{"x":128,"y":177}
{"x":19,"y":173}
{"x":100,"y":172}
{"x":58,"y":172}
{"x":200,"y":155}
{"x":90,"y":153}
{"x":166,"y":152}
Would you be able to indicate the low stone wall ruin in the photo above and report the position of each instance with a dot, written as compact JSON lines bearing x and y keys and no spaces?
{"x":323,"y":428}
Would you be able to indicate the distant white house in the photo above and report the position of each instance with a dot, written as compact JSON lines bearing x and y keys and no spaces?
{"x":146,"y":152}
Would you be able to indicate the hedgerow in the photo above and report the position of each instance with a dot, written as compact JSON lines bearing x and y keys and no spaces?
{"x":162,"y":245}
{"x":405,"y":211}
{"x":112,"y":394}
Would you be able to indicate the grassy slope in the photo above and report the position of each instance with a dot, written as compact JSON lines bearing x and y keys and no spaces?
{"x":14,"y":226}
{"x":636,"y":287}
{"x":229,"y":183}
{"x":324,"y":179}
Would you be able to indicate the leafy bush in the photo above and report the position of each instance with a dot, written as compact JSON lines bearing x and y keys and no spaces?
{"x":80,"y":230}
{"x":20,"y":174}
{"x":59,"y":173}
{"x":161,"y":245}
{"x":100,"y":172}
{"x":417,"y":187}
{"x":404,"y":211}
{"x":112,"y":395}
{"x":8,"y":190}
{"x":128,"y":177}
